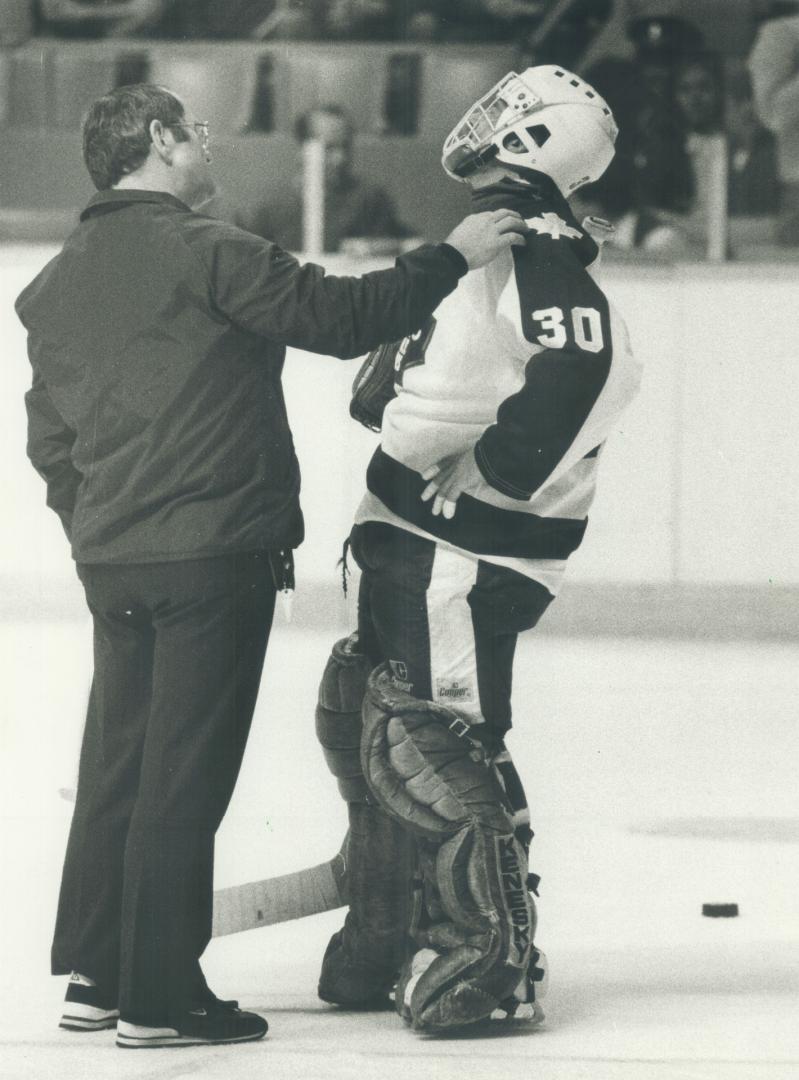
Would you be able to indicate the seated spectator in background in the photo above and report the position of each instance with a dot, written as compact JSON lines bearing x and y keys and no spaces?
{"x":664,"y":173}
{"x":650,"y":150}
{"x":354,"y":208}
{"x":752,"y":150}
{"x":774,"y":68}
{"x":99,"y":18}
{"x":699,"y":102}
{"x":638,"y":229}
{"x":699,"y":93}
{"x":659,"y":42}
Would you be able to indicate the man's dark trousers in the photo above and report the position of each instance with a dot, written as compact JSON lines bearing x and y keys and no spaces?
{"x":178,"y":653}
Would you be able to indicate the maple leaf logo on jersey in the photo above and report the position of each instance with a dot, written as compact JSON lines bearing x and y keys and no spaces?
{"x":551,"y":224}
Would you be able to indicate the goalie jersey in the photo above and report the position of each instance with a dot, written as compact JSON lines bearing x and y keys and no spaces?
{"x":528,"y":366}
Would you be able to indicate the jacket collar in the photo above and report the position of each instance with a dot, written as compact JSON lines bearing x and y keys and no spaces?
{"x":118,"y":197}
{"x":516,"y":195}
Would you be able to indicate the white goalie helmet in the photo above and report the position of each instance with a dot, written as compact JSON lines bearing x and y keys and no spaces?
{"x":545,"y":119}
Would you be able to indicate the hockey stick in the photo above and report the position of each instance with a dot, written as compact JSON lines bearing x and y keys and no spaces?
{"x":280,"y":899}
{"x":273,"y":900}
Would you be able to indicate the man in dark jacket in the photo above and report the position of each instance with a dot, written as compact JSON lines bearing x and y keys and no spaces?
{"x":156,"y":417}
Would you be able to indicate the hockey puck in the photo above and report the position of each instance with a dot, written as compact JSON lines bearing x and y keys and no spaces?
{"x":720,"y":911}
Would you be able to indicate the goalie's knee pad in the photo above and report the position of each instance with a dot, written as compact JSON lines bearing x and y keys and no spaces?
{"x":338,"y":716}
{"x":425,"y":770}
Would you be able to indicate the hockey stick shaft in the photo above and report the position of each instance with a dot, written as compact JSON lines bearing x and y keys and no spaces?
{"x":273,"y":900}
{"x":281,"y":899}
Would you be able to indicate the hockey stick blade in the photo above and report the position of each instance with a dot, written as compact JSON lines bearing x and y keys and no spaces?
{"x":281,"y":899}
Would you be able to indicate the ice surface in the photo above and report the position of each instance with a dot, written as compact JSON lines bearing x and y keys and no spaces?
{"x":661,"y":776}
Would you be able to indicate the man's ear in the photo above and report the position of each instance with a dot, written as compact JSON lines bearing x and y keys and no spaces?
{"x":163,"y":140}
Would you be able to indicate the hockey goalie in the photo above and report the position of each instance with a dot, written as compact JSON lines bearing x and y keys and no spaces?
{"x":493,"y":419}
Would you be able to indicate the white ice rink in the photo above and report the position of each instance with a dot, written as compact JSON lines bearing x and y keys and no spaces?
{"x":653,"y":790}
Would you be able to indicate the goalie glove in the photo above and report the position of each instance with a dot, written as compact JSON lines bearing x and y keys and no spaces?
{"x":382,"y":373}
{"x":374,"y":387}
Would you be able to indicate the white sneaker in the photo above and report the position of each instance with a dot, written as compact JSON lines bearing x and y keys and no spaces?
{"x":85,"y":1008}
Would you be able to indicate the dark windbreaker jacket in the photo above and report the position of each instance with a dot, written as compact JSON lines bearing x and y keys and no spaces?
{"x":157,"y":339}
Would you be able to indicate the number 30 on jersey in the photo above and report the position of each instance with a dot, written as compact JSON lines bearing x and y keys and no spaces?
{"x":584,"y":322}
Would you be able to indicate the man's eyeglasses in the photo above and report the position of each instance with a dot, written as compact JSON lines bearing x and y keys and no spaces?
{"x":201,"y":127}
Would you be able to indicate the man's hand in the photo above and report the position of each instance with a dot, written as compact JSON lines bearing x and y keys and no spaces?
{"x":448,"y":480}
{"x":481,"y":237}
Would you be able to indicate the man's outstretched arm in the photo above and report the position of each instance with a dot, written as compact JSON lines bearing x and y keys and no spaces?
{"x":262,"y":288}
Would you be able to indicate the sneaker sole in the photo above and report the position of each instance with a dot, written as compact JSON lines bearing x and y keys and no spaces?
{"x":160,"y":1042}
{"x":77,"y":1023}
{"x":160,"y":1038}
{"x":88,"y":1018}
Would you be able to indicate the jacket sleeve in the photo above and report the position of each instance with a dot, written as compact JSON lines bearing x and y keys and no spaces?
{"x":263,"y":289}
{"x":563,"y":313}
{"x":50,"y":443}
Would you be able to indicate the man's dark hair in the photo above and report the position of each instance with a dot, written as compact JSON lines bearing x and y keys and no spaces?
{"x":302,"y":125}
{"x":116,"y":132}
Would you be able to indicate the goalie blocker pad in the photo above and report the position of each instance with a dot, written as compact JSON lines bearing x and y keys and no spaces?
{"x":424,"y":770}
{"x":338,"y":716}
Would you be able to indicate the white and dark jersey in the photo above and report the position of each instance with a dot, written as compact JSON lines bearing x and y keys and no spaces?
{"x":527,"y":364}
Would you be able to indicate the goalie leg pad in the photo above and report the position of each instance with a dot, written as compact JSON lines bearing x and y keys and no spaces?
{"x":363,"y":959}
{"x":432,"y":778}
{"x":421,"y":766}
{"x":338,"y":716}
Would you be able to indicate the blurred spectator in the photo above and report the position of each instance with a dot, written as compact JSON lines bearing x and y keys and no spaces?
{"x":101,"y":18}
{"x":754,"y":186}
{"x":699,"y":102}
{"x":699,"y":93}
{"x":641,"y":94}
{"x":638,"y":229}
{"x":774,"y":67}
{"x":651,"y":156}
{"x":659,"y":42}
{"x":354,"y":208}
